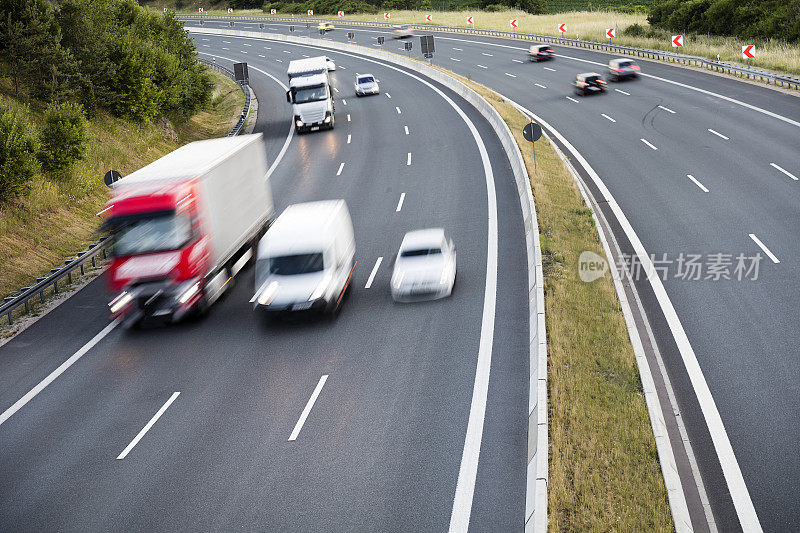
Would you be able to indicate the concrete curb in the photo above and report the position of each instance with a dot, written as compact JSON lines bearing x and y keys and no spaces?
{"x":537,"y":462}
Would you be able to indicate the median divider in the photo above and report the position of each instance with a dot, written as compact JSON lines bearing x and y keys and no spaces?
{"x":537,"y":462}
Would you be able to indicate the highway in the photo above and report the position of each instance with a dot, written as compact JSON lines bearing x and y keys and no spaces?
{"x":701,"y":165}
{"x":353,"y":424}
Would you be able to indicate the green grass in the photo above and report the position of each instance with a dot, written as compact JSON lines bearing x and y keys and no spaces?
{"x":58,"y":218}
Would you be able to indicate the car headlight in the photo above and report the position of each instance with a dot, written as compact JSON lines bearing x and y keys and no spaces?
{"x":298,"y":122}
{"x":119,"y":302}
{"x":268,"y":294}
{"x":188,"y":293}
{"x":322,"y":286}
{"x":327,"y":117}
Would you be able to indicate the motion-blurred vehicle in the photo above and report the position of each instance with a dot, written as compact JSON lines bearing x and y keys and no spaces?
{"x":588,"y":83}
{"x":311,"y":94}
{"x":622,"y":68}
{"x":366,"y":84}
{"x":183,"y":226}
{"x":401,"y":31}
{"x":330,"y":63}
{"x":306,"y":260}
{"x":540,"y":52}
{"x":425,"y":266}
{"x":326,"y":26}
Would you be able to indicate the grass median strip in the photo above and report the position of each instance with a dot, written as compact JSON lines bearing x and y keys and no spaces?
{"x":604,"y":468}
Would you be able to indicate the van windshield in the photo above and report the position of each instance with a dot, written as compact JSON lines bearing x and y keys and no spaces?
{"x":151,"y":234}
{"x":310,"y":94}
{"x":290,"y":265}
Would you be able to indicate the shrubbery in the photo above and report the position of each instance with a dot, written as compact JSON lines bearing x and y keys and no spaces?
{"x":18,"y":148}
{"x":747,"y":19}
{"x":63,"y":136}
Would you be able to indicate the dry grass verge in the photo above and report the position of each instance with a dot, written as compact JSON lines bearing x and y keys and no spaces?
{"x":58,"y":218}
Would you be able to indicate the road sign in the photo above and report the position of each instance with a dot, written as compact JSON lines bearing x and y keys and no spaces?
{"x":610,"y":33}
{"x":532,"y":132}
{"x":677,"y":40}
{"x":200,"y":10}
{"x":426,"y":45}
{"x":165,"y":10}
{"x":408,"y":45}
{"x":273,"y":11}
{"x":562,"y":28}
{"x":230,"y":10}
{"x":748,"y":51}
{"x":513,"y":23}
{"x":260,"y":25}
{"x":470,"y":21}
{"x":341,"y":14}
{"x":111,"y":177}
{"x":240,"y":73}
{"x":231,"y":24}
{"x":387,"y":16}
{"x":291,"y":28}
{"x":351,"y":35}
{"x":310,"y":12}
{"x":428,"y":18}
{"x":201,"y":22}
{"x":380,"y":40}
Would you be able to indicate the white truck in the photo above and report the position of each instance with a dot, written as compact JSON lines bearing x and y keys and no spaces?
{"x":185,"y":225}
{"x":311,"y":94}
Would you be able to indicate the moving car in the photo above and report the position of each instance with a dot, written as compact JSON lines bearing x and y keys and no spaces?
{"x":540,"y":52}
{"x":311,"y":94}
{"x":326,"y":26}
{"x":588,"y":83}
{"x":622,"y":68}
{"x":306,"y":260}
{"x":425,"y":266}
{"x":401,"y":31}
{"x":366,"y":84}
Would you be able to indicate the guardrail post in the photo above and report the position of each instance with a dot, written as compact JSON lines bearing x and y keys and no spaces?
{"x":55,"y":287}
{"x":10,"y":322}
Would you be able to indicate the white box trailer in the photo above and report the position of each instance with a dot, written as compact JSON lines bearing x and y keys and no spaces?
{"x":311,"y":94}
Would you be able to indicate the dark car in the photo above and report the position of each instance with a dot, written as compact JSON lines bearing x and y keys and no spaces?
{"x":589,"y":82}
{"x":620,"y":69}
{"x":540,"y":52}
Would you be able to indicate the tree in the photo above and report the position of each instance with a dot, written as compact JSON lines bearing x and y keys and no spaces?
{"x":64,"y":136}
{"x":18,"y":146}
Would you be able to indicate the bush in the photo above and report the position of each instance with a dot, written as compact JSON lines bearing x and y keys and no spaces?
{"x":64,"y":137}
{"x":18,"y":147}
{"x":635,"y":30}
{"x":491,"y":8}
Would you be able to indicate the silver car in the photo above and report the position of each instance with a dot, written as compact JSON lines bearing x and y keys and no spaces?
{"x":425,"y":266}
{"x":366,"y":84}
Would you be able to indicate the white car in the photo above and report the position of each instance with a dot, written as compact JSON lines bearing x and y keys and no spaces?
{"x":366,"y":84}
{"x":331,"y":64}
{"x":425,"y":266}
{"x":401,"y":31}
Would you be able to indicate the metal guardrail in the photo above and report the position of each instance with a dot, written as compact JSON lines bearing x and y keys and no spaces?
{"x":717,"y":66}
{"x":245,"y":90}
{"x":56,"y":275}
{"x":23,"y":296}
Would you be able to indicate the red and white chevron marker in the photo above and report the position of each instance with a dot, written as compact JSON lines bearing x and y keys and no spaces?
{"x":470,"y":21}
{"x":165,"y":10}
{"x":428,"y":18}
{"x":341,"y":14}
{"x":387,"y":16}
{"x":610,"y":33}
{"x":201,"y":10}
{"x":677,"y":40}
{"x":748,"y":51}
{"x":513,"y":23}
{"x":562,"y":28}
{"x":310,"y":12}
{"x":230,"y":10}
{"x":273,"y":11}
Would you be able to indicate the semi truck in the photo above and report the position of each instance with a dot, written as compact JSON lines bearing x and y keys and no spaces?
{"x":183,"y":226}
{"x":311,"y":94}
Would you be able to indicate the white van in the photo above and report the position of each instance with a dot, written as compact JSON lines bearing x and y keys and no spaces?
{"x":307,"y":259}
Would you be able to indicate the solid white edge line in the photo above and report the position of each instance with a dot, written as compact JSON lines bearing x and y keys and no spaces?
{"x":400,"y":203}
{"x":730,"y":466}
{"x":147,"y":427}
{"x":606,"y":116}
{"x":696,"y":182}
{"x":307,"y":408}
{"x":408,"y":161}
{"x":645,"y":141}
{"x":764,"y":247}
{"x":374,"y":271}
{"x":339,"y":172}
{"x":780,"y":169}
{"x":31,"y":394}
{"x":718,"y":134}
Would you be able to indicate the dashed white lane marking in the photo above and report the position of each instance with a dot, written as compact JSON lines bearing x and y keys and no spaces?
{"x":287,"y":51}
{"x":305,"y":55}
{"x":481,"y":66}
{"x":374,"y":271}
{"x":459,"y":49}
{"x":307,"y":408}
{"x":242,"y":52}
{"x":780,"y":169}
{"x":260,"y":55}
{"x":718,"y":134}
{"x":335,"y":89}
{"x":279,"y":60}
{"x":348,"y":138}
{"x":146,"y":428}
{"x":516,"y":61}
{"x":398,"y":110}
{"x":245,"y":44}
{"x":224,"y":48}
{"x":207,"y":46}
{"x":454,"y":59}
{"x":406,"y":128}
{"x":648,"y":144}
{"x":607,"y":117}
{"x":510,"y":75}
{"x":226,"y":42}
{"x":696,"y":182}
{"x":344,"y":101}
{"x":267,"y":48}
{"x":400,"y":203}
{"x":203,"y":39}
{"x":668,"y":110}
{"x":623,"y":92}
{"x":343,"y":68}
{"x":488,"y":55}
{"x":388,"y":95}
{"x":408,"y":161}
{"x":348,"y":117}
{"x":764,"y":247}
{"x":572,"y":99}
{"x":540,"y":85}
{"x":339,"y":172}
{"x":550,"y":69}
